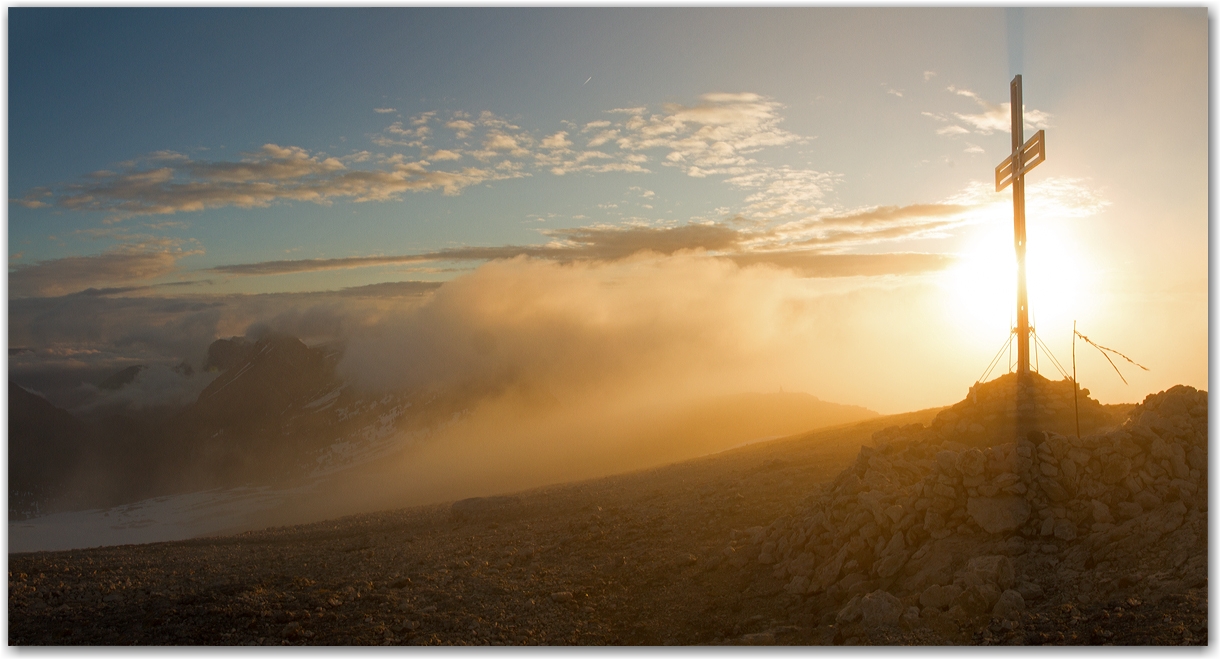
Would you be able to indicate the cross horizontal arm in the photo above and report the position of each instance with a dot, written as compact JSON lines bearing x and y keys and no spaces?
{"x":1032,"y":154}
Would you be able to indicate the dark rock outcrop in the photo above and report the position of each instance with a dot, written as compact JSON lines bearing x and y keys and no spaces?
{"x":122,"y":378}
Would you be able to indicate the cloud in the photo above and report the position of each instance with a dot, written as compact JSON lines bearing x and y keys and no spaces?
{"x":817,"y":264}
{"x":875,"y":225}
{"x":784,"y":192}
{"x":992,"y":118}
{"x":573,"y":328}
{"x":460,"y":127}
{"x":711,"y":137}
{"x":557,"y":141}
{"x":718,"y":135}
{"x":607,"y":330}
{"x":498,"y":142}
{"x":35,"y":198}
{"x":314,"y":265}
{"x":172,"y":183}
{"x":568,"y":328}
{"x":802,"y":247}
{"x":87,"y":336}
{"x":391,"y":289}
{"x":384,"y":110}
{"x":1052,"y":197}
{"x":603,"y":243}
{"x":114,"y":268}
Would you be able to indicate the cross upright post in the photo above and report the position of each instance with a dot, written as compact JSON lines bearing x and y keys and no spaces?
{"x":1025,"y":156}
{"x":1018,"y":220}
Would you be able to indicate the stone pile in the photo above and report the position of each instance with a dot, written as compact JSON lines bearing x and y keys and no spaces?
{"x":962,"y":520}
{"x":1009,"y":407}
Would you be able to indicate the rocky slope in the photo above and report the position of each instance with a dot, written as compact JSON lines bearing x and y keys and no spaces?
{"x":980,"y":527}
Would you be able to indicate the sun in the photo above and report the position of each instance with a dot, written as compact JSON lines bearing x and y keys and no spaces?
{"x":982,"y":286}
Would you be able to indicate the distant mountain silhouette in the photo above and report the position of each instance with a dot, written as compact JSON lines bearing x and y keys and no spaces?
{"x":122,"y":378}
{"x":241,"y":427}
{"x":44,"y":444}
{"x":224,"y":353}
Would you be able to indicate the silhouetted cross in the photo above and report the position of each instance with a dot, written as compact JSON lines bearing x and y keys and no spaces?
{"x":1025,"y":156}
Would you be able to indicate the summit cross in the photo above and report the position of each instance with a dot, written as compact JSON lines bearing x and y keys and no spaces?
{"x":1025,"y":156}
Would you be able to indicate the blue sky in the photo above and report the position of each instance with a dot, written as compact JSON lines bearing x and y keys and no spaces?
{"x":228,"y":150}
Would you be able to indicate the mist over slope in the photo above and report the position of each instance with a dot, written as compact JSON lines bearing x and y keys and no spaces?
{"x":508,"y":444}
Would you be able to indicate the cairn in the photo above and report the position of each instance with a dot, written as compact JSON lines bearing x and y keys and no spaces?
{"x":974,"y":516}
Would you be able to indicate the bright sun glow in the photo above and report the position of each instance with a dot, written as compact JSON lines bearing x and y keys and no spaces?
{"x":983,"y":284}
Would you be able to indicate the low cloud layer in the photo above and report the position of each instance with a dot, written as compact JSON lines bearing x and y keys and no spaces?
{"x":685,"y":325}
{"x":582,"y":326}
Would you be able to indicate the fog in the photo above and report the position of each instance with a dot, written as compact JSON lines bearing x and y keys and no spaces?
{"x":548,"y":372}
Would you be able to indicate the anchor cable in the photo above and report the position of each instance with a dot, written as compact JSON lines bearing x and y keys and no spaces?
{"x":996,"y":360}
{"x":1051,"y":356}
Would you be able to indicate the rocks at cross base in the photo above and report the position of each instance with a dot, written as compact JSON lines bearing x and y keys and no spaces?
{"x":996,"y":505}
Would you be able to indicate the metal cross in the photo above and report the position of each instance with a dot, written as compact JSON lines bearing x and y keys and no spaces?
{"x":1025,"y":156}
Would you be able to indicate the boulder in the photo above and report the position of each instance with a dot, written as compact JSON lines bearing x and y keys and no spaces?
{"x":828,"y":573}
{"x":996,"y":570}
{"x":1065,"y":530}
{"x":972,"y":601}
{"x":972,"y":462}
{"x":1115,"y":470}
{"x":998,"y":514}
{"x":935,"y":597}
{"x":1030,"y":590}
{"x":1009,"y":606}
{"x":1054,"y":491}
{"x":880,"y":609}
{"x":850,"y":612}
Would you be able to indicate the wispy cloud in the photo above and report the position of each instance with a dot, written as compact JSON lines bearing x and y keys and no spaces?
{"x":715,"y":136}
{"x":807,"y":263}
{"x":809,"y":251}
{"x":166,"y":183}
{"x":784,"y":192}
{"x":314,"y":265}
{"x":594,"y":243}
{"x":116,"y":268}
{"x":990,"y":118}
{"x":882,"y":224}
{"x":718,"y":135}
